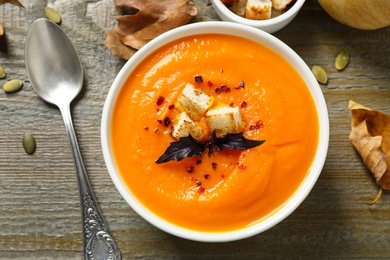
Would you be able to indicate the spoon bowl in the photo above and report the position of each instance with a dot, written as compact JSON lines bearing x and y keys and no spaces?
{"x":56,"y":75}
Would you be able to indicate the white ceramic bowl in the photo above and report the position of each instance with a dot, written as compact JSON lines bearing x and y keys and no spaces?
{"x":271,"y":25}
{"x":245,"y":32}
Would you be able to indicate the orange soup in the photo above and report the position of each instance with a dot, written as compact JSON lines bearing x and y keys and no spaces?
{"x":229,"y":189}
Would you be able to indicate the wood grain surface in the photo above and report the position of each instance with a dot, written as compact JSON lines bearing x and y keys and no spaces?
{"x":39,"y":200}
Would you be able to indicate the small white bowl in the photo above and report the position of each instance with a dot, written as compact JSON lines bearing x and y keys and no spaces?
{"x":231,"y":29}
{"x":271,"y":25}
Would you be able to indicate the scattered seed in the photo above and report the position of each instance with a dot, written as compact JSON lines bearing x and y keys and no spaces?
{"x":342,"y":60}
{"x":320,"y":74}
{"x":2,"y":73}
{"x":28,"y":143}
{"x":12,"y":85}
{"x":52,"y":15}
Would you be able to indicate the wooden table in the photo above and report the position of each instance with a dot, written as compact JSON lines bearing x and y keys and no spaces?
{"x":39,"y":200}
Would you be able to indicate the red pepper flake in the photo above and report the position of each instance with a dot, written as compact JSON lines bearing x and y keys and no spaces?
{"x":198,"y":79}
{"x":206,"y":175}
{"x":198,"y":161}
{"x":218,"y":90}
{"x":209,"y":83}
{"x":167,"y":121}
{"x":241,"y":166}
{"x":222,"y":88}
{"x":190,"y":169}
{"x":222,"y":176}
{"x":231,"y":104}
{"x":259,"y":124}
{"x":240,"y":85}
{"x":160,"y":100}
{"x":146,"y":128}
{"x":198,"y":182}
{"x":159,"y":121}
{"x":244,"y":104}
{"x":201,"y":190}
{"x":214,"y":165}
{"x":171,"y":107}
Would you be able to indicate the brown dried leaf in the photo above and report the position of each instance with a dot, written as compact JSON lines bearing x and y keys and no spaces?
{"x":370,"y":135}
{"x":14,"y":2}
{"x":115,"y":45}
{"x":151,"y":19}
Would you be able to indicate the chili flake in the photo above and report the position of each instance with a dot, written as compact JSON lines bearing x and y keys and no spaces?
{"x":206,"y":175}
{"x":214,"y":165}
{"x":259,"y":124}
{"x":198,"y":79}
{"x":201,"y":189}
{"x":171,"y":107}
{"x":190,"y":169}
{"x":209,"y":83}
{"x":198,"y":182}
{"x":241,"y":166}
{"x":244,"y":104}
{"x":167,"y":121}
{"x":160,"y":100}
{"x":198,"y":161}
{"x":240,"y":85}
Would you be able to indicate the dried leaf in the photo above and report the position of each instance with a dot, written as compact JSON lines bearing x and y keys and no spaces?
{"x":150,"y":19}
{"x":14,"y":2}
{"x":117,"y":48}
{"x":370,"y":135}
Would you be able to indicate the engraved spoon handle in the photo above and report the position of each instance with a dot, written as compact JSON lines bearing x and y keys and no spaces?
{"x":98,"y":242}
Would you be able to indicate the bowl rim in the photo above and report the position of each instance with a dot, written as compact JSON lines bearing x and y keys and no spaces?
{"x":218,"y":27}
{"x":289,"y":14}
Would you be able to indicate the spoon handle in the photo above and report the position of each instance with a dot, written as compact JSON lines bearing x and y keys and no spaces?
{"x":97,"y":239}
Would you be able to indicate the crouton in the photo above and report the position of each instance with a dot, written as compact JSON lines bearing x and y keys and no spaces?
{"x":194,"y":102}
{"x":225,"y":120}
{"x":184,"y":126}
{"x":258,"y":9}
{"x":280,"y":5}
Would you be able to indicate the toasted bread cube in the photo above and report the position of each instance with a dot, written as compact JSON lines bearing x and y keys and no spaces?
{"x":225,"y":120}
{"x":280,"y":5}
{"x":258,"y":9}
{"x":184,"y":126}
{"x":194,"y":102}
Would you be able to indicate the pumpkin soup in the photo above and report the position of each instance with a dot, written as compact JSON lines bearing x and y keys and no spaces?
{"x":227,"y":189}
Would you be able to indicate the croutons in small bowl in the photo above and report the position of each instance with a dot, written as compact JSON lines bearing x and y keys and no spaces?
{"x":267,"y":15}
{"x":211,"y":143}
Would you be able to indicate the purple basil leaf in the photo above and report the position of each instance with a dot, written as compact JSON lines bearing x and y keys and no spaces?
{"x":236,"y":142}
{"x":183,"y":148}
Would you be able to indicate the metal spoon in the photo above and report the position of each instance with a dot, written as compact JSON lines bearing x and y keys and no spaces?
{"x":56,"y":75}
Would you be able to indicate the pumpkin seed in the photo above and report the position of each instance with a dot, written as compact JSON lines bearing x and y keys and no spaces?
{"x":28,"y":143}
{"x":342,"y":60}
{"x":12,"y":85}
{"x":52,"y":15}
{"x":2,"y":73}
{"x":320,"y":74}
